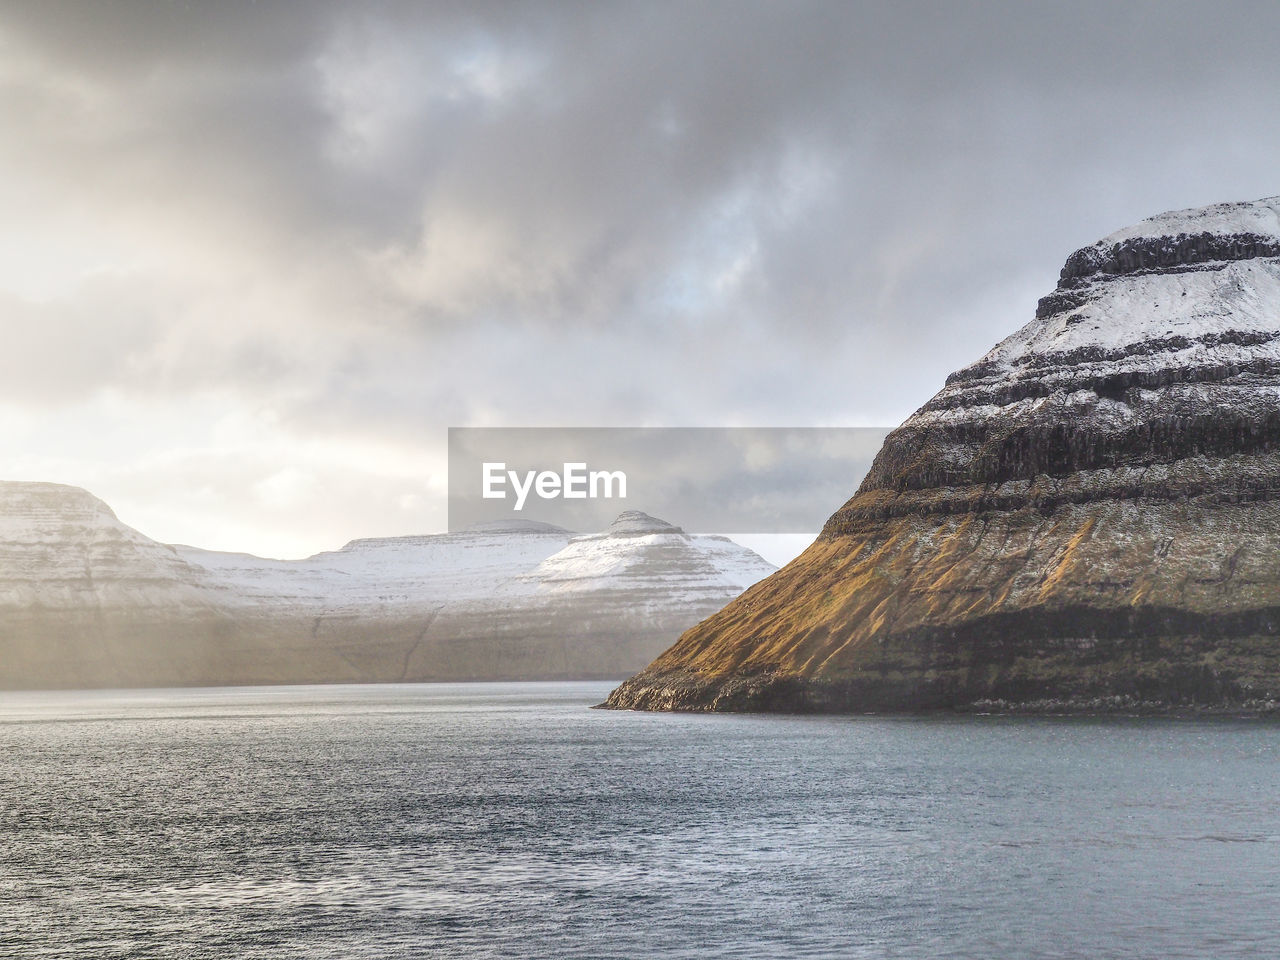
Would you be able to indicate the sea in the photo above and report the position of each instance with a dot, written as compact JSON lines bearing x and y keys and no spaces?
{"x":511,"y":820}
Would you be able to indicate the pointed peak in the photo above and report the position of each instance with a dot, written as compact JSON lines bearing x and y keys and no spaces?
{"x":1174,"y":240}
{"x":631,"y":523}
{"x":1257,"y":217}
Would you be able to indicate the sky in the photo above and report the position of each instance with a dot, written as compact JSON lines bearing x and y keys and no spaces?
{"x":257,"y":258}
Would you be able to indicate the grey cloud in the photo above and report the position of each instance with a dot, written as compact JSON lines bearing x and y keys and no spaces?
{"x":386,"y":218}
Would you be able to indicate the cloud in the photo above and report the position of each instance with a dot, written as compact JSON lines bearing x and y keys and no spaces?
{"x":379,"y":220}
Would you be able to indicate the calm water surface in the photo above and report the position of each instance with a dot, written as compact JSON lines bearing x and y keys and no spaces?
{"x":487,"y":820}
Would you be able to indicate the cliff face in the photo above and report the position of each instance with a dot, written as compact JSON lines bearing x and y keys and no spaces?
{"x":1088,"y":517}
{"x":86,"y":601}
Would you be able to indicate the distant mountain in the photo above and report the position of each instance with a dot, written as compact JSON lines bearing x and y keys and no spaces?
{"x":86,"y":601}
{"x":1088,"y":518}
{"x":382,"y":574}
{"x":615,"y":597}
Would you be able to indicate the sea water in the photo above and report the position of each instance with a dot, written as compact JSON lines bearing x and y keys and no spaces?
{"x":509,"y":820}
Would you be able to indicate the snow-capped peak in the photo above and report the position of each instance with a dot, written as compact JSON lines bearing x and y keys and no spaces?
{"x":1185,"y":288}
{"x":1257,"y":217}
{"x":634,"y":523}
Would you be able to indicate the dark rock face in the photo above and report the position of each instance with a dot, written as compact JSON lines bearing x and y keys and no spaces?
{"x":1201,"y":251}
{"x":1087,"y":518}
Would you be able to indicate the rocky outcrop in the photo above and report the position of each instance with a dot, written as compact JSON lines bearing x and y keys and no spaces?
{"x":1086,"y":518}
{"x":86,"y":601}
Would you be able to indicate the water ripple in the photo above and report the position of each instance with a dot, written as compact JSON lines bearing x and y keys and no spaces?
{"x":508,"y":820}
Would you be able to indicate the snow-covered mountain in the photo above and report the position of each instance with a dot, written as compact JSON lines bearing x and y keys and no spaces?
{"x":619,"y":596}
{"x":61,"y":546}
{"x":1086,"y":518}
{"x":385,"y":572}
{"x":87,"y":601}
{"x":650,"y":560}
{"x":83,"y":597}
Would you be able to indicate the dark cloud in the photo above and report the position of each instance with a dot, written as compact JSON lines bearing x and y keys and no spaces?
{"x":377,"y":220}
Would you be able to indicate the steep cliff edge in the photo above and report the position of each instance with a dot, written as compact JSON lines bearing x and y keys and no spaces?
{"x":1086,"y":518}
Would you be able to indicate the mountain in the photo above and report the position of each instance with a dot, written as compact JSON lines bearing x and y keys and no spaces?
{"x":611,"y":599}
{"x":370,"y":612}
{"x":382,"y":574}
{"x":1086,"y":518}
{"x":86,"y":601}
{"x":82,"y":595}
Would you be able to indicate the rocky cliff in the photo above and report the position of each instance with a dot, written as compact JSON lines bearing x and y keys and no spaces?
{"x":86,"y":601}
{"x":1086,"y":518}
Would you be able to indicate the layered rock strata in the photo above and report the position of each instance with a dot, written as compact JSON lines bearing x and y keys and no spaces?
{"x":1088,"y":518}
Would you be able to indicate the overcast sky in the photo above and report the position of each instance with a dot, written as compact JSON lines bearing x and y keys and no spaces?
{"x":255,"y":258}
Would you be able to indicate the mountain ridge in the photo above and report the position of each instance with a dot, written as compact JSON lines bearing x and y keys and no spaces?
{"x":1084,"y":518}
{"x":87,"y":601}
